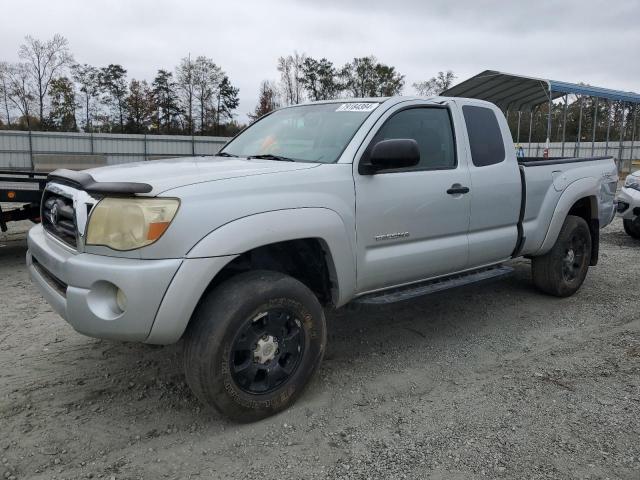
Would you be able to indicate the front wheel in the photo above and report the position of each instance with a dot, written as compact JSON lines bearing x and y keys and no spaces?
{"x":253,"y":344}
{"x":632,"y":227}
{"x":561,"y":271}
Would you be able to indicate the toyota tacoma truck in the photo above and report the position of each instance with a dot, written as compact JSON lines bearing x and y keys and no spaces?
{"x":629,"y":205}
{"x":312,"y":207}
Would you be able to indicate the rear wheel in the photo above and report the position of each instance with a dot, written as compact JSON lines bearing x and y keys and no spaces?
{"x":632,"y":227}
{"x":562,"y":270}
{"x":254,"y":344}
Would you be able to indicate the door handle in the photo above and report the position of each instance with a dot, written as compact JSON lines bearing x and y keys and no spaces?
{"x":457,"y":189}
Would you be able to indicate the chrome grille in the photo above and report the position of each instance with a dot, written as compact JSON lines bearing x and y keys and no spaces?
{"x":58,"y":217}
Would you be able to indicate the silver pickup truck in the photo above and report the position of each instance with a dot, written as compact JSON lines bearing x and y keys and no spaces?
{"x":311,"y":207}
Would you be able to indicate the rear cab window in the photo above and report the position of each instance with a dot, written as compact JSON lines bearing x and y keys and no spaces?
{"x":485,"y":137}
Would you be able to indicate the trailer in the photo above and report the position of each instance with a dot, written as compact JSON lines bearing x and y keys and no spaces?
{"x":23,"y":189}
{"x":27,"y":157}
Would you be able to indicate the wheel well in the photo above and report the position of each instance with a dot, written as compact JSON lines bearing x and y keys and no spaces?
{"x":584,"y":208}
{"x":587,"y":208}
{"x":303,"y":259}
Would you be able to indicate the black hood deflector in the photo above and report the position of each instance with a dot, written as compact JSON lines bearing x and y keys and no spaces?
{"x":86,"y":182}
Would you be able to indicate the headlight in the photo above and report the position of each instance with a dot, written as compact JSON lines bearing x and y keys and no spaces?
{"x":632,"y":182}
{"x":130,"y":223}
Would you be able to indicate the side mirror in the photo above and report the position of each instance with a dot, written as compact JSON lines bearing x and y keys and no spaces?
{"x":394,"y":153}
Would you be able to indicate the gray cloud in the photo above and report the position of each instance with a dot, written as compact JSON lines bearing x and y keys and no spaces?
{"x":590,"y":41}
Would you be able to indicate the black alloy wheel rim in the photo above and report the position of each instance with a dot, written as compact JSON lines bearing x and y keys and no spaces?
{"x":267,"y":351}
{"x":574,"y":257}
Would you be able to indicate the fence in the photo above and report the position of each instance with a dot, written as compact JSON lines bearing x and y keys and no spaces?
{"x":17,"y":149}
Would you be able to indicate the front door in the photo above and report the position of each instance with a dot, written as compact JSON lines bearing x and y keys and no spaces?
{"x":412,"y":224}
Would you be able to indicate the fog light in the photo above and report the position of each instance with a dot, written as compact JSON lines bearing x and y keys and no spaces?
{"x":106,"y":301}
{"x":121,"y":300}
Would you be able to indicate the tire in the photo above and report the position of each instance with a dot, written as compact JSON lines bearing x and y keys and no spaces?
{"x":562,"y":270}
{"x":253,"y":344}
{"x":632,"y":227}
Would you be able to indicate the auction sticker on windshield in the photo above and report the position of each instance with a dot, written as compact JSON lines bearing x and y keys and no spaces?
{"x":357,"y":107}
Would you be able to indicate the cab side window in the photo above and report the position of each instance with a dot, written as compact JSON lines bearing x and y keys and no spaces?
{"x":485,"y":138}
{"x":430,"y":128}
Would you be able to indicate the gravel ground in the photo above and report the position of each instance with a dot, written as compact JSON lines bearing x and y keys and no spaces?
{"x":488,"y":381}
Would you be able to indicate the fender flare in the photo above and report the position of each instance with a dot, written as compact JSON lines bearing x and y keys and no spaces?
{"x":583,"y":188}
{"x":253,"y":231}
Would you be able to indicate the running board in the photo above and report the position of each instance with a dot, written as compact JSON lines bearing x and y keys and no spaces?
{"x":432,"y":286}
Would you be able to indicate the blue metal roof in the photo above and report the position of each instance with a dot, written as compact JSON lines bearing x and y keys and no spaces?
{"x":618,"y":95}
{"x":517,"y":92}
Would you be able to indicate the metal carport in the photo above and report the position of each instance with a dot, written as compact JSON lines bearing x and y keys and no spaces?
{"x":517,"y":93}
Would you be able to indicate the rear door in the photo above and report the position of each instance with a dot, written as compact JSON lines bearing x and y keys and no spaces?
{"x":410,"y":224}
{"x":496,"y":186}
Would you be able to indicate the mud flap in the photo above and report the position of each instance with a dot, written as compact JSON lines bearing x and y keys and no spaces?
{"x":594,"y":228}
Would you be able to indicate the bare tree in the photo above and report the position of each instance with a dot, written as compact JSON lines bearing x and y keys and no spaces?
{"x":4,"y":89}
{"x":45,"y":61}
{"x":21,"y":93}
{"x":88,"y":77}
{"x":186,"y":81}
{"x":435,"y":85}
{"x":208,"y":76}
{"x":291,"y":73}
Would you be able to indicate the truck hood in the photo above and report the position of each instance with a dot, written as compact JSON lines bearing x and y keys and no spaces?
{"x":166,"y":174}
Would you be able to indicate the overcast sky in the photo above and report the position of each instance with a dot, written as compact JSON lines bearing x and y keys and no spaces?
{"x":590,"y":41}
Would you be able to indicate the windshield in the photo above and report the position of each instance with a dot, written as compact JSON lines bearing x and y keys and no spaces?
{"x":311,"y":133}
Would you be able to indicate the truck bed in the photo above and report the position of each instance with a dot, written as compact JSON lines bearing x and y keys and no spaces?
{"x":545,"y":180}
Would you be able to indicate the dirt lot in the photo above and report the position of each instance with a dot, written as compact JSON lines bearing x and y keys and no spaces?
{"x":491,"y":381}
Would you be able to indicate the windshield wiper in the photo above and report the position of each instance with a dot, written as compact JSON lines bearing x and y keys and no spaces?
{"x":270,"y":156}
{"x":225,"y":154}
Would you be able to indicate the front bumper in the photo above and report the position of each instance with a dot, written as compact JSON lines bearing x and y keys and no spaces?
{"x":628,"y":203}
{"x":82,"y":287}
